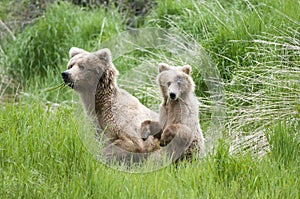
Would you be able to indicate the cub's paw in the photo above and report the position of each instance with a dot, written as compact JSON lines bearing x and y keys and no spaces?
{"x":168,"y":135}
{"x":151,"y":144}
{"x":148,"y":128}
{"x":145,"y":129}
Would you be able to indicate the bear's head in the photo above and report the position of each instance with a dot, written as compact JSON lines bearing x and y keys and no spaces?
{"x":175,"y":82}
{"x":85,"y":69}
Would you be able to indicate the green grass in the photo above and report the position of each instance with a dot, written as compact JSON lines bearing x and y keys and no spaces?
{"x":45,"y":158}
{"x":217,"y":25}
{"x":44,"y":45}
{"x":255,"y":46}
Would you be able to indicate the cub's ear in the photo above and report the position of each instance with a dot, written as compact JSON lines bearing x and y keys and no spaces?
{"x":162,"y":67}
{"x":186,"y":69}
{"x":104,"y":55}
{"x":75,"y":51}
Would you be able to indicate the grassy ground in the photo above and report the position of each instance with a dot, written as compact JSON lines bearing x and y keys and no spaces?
{"x":255,"y":46}
{"x":42,"y":156}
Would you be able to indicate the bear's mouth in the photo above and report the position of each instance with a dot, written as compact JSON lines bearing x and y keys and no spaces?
{"x":68,"y":83}
{"x":71,"y":84}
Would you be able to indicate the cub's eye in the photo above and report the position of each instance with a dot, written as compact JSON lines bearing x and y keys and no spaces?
{"x":81,"y":67}
{"x":168,"y":84}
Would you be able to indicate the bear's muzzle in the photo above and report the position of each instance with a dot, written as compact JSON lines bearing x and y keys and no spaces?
{"x":66,"y":76}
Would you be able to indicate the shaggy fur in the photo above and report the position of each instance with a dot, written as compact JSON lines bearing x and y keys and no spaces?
{"x":116,"y":113}
{"x":178,"y":117}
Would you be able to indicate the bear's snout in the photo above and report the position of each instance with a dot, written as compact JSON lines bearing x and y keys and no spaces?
{"x":173,"y":95}
{"x":66,"y":76}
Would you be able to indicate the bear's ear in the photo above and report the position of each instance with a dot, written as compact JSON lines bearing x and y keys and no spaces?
{"x":186,"y":69}
{"x":75,"y":51}
{"x":162,"y":67}
{"x":104,"y":55}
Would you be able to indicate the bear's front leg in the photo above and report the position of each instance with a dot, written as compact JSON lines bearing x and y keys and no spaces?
{"x":182,"y":133}
{"x":151,"y":144}
{"x":149,"y":128}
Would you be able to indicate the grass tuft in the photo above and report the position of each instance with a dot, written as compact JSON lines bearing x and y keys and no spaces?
{"x":267,"y":91}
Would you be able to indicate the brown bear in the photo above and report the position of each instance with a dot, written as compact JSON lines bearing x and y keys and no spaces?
{"x":115,"y":112}
{"x":178,"y":117}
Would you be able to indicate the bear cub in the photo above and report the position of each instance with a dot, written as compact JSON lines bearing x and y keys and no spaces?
{"x":178,"y":116}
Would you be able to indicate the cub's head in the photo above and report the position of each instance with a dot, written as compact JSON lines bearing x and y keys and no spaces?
{"x":85,"y":69}
{"x":175,"y":82}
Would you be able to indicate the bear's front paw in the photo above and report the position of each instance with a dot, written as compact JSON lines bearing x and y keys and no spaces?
{"x":145,"y":136}
{"x":148,"y":128}
{"x":168,"y":135}
{"x":151,"y":144}
{"x":145,"y":129}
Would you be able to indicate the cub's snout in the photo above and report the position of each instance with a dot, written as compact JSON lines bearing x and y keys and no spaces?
{"x":66,"y":76}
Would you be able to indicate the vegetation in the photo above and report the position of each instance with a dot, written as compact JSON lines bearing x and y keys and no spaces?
{"x":255,"y":46}
{"x":45,"y":157}
{"x":44,"y":45}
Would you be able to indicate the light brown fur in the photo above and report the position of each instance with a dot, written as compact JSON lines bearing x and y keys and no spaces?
{"x":150,"y":128}
{"x":178,"y":117}
{"x":116,"y":112}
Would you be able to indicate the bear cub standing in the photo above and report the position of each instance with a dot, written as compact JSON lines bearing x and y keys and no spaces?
{"x":178,"y":115}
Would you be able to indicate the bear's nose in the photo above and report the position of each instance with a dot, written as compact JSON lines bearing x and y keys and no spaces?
{"x":65,"y":76}
{"x":172,"y":95}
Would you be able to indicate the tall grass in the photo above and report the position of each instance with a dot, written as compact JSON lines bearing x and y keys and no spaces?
{"x":215,"y":24}
{"x":42,"y":47}
{"x":45,"y":158}
{"x":267,"y":91}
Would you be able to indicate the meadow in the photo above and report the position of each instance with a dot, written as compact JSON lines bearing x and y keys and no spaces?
{"x":253,"y":45}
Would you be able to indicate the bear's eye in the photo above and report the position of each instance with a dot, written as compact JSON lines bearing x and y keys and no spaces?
{"x":70,"y":66}
{"x":168,"y":84}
